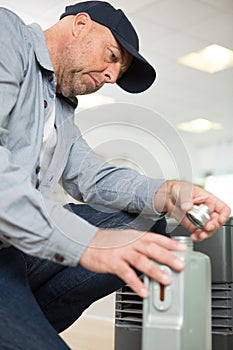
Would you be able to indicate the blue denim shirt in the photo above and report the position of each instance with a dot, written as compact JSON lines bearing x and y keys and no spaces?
{"x":29,"y":219}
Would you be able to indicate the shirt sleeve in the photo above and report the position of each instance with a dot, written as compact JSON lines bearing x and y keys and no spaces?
{"x":29,"y":221}
{"x":89,"y":178}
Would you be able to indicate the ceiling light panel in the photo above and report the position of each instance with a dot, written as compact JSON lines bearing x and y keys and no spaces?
{"x":199,"y":125}
{"x":210,"y":59}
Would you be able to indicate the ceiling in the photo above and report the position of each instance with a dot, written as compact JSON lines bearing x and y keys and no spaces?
{"x":169,"y":29}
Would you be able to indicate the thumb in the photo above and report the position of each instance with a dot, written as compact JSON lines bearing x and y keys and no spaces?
{"x":186,"y":206}
{"x":182,"y":195}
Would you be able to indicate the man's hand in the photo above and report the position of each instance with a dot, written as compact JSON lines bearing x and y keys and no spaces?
{"x":178,"y":197}
{"x":119,"y":251}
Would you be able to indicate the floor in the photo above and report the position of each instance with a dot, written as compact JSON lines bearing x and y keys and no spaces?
{"x":90,"y":334}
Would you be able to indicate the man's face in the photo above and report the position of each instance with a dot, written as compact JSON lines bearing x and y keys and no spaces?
{"x":96,"y":60}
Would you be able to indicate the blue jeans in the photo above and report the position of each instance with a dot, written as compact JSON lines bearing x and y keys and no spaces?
{"x":39,"y":298}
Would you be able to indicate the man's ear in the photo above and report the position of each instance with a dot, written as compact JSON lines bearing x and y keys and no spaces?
{"x":82,"y":22}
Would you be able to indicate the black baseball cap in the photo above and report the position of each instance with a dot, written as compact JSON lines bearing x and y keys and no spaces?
{"x":140,"y":75}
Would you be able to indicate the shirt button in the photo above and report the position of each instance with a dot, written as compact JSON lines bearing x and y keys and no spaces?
{"x":45,"y":104}
{"x":37,"y":169}
{"x":37,"y":184}
{"x":59,"y":258}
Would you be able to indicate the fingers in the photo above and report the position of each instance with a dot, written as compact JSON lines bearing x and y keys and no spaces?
{"x":219,"y":215}
{"x":130,"y":277}
{"x":183,"y":195}
{"x":162,"y":241}
{"x":198,"y":237}
{"x":212,"y":225}
{"x":164,"y":256}
{"x":139,"y":253}
{"x":219,"y":211}
{"x":223,"y":211}
{"x":147,"y":267}
{"x":143,"y":258}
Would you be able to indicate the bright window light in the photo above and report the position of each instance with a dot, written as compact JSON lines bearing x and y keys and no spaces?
{"x":221,"y":186}
{"x":211,"y":59}
{"x":199,"y":125}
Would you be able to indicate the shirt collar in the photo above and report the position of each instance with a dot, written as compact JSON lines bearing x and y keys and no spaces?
{"x":40,"y":46}
{"x":43,"y":57}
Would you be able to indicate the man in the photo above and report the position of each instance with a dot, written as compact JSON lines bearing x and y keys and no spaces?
{"x":53,"y":263}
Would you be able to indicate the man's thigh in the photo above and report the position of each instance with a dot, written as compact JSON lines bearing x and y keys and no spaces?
{"x":63,"y":293}
{"x":41,"y":271}
{"x":23,"y":326}
{"x":104,"y":217}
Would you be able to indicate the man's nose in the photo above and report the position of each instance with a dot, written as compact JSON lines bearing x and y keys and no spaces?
{"x":111,"y":73}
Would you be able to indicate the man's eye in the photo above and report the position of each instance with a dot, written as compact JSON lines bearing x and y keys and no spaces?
{"x":114,"y":57}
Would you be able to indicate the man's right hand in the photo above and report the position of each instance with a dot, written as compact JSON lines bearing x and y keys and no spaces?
{"x":119,"y":251}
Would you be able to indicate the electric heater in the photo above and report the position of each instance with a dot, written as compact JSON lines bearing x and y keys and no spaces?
{"x":129,"y":307}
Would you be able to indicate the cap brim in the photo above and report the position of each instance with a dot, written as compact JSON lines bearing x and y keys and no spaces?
{"x":140,"y":75}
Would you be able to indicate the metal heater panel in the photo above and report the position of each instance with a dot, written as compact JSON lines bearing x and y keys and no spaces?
{"x":128,"y":319}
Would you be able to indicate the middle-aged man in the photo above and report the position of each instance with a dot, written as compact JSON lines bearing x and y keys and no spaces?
{"x":54,"y":260}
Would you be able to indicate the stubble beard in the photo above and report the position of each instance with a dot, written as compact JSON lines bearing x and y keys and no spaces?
{"x":75,"y":84}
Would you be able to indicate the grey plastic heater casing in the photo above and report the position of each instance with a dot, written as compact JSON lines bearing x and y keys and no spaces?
{"x":182,"y":319}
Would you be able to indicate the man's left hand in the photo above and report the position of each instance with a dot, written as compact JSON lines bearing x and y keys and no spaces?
{"x":178,"y":197}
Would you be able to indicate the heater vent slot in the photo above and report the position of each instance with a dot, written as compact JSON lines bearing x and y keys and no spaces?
{"x":222,"y":307}
{"x":128,"y":308}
